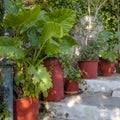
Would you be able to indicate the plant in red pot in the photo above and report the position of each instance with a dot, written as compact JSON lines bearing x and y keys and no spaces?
{"x":72,"y":74}
{"x":109,"y":53}
{"x":88,"y":59}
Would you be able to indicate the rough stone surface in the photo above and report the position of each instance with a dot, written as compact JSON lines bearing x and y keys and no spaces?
{"x":103,"y":84}
{"x":86,"y":106}
{"x":100,"y":102}
{"x":116,"y":93}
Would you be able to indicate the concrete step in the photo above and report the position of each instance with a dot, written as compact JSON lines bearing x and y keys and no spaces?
{"x":86,"y":106}
{"x":104,"y":84}
{"x":100,"y":102}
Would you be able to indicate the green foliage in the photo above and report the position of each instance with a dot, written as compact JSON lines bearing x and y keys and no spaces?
{"x":12,"y":7}
{"x":3,"y":110}
{"x":110,"y":45}
{"x":38,"y":77}
{"x":111,"y":15}
{"x":9,"y":47}
{"x":16,"y":20}
{"x":108,"y":55}
{"x":90,"y":51}
{"x":1,"y":18}
{"x":36,"y":34}
{"x":70,"y":67}
{"x":80,"y":6}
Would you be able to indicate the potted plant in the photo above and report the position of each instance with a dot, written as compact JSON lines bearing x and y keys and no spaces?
{"x":88,"y":58}
{"x":54,"y":66}
{"x":109,"y":53}
{"x":72,"y":74}
{"x":34,"y":36}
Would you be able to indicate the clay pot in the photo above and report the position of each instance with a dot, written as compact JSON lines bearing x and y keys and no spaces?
{"x":89,"y":69}
{"x":55,"y":93}
{"x":118,"y":62}
{"x":26,"y":109}
{"x":106,"y":67}
{"x":71,"y":87}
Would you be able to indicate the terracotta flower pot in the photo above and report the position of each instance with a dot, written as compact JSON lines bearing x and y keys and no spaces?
{"x":57,"y":91}
{"x":118,"y":62}
{"x":26,"y":109}
{"x":71,"y":87}
{"x":106,"y":67}
{"x":89,"y":69}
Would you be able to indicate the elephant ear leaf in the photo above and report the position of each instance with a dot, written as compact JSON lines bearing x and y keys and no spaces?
{"x":52,"y":47}
{"x":50,"y":37}
{"x":12,"y":7}
{"x":65,"y":17}
{"x":24,"y":19}
{"x":66,"y":44}
{"x":11,"y":48}
{"x":51,"y":29}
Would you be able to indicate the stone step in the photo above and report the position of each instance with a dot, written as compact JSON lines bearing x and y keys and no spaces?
{"x":116,"y":93}
{"x":100,"y":102}
{"x":103,"y":84}
{"x":86,"y":106}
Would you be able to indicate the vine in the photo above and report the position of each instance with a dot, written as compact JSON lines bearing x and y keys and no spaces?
{"x":111,"y":15}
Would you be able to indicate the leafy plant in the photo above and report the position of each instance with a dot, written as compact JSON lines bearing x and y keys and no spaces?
{"x":90,"y":51}
{"x":36,"y":35}
{"x":70,"y":67}
{"x":110,"y":14}
{"x":110,"y":45}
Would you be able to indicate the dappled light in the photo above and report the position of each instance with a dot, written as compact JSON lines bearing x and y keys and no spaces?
{"x":74,"y":100}
{"x":116,"y":115}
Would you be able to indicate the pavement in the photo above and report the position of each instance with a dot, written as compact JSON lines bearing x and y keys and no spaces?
{"x":100,"y":102}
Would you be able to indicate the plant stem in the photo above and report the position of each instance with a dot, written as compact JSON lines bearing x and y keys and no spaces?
{"x":39,"y":52}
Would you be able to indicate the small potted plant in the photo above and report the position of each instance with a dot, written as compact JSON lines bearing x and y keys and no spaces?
{"x":88,"y":58}
{"x":109,"y":53}
{"x":72,"y":74}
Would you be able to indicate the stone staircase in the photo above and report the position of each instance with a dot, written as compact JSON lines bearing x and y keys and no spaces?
{"x":100,"y":102}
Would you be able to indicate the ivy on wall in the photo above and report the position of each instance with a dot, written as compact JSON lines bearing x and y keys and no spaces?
{"x":79,"y":5}
{"x":0,"y":17}
{"x":111,"y":15}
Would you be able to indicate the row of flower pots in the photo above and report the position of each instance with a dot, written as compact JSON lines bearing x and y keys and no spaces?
{"x":90,"y":68}
{"x":28,"y":108}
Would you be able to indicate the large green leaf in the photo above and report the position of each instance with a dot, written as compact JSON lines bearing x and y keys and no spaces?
{"x":67,"y":44}
{"x":52,"y":47}
{"x":11,"y":48}
{"x":12,"y":7}
{"x":117,"y":34}
{"x":105,"y":35}
{"x":117,"y":46}
{"x":51,"y":29}
{"x":109,"y":55}
{"x":65,"y":17}
{"x":41,"y":78}
{"x":23,"y":20}
{"x":33,"y":38}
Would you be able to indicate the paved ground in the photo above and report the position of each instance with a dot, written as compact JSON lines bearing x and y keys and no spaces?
{"x":97,"y":104}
